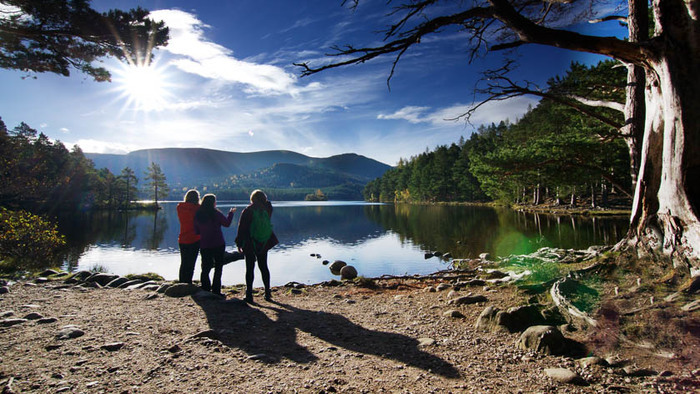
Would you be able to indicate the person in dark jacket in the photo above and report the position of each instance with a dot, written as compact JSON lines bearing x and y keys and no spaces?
{"x":188,"y":240}
{"x":255,"y":250}
{"x":207,"y":223}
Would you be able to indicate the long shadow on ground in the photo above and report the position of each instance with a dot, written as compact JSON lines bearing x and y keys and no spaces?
{"x":248,"y":328}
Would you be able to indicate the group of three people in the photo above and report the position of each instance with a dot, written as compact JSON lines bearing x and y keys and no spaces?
{"x":200,"y":233}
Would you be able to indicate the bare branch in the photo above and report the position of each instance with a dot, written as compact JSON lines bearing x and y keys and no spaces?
{"x":599,"y":103}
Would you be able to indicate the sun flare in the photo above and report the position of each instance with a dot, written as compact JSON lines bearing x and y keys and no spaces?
{"x":144,"y":87}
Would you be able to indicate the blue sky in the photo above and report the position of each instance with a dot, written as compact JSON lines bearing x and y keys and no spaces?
{"x":226,"y":82}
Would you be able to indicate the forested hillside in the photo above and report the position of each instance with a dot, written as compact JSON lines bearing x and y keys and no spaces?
{"x":554,"y":152}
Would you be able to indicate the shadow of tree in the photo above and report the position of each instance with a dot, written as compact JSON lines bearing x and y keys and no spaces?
{"x":248,"y":328}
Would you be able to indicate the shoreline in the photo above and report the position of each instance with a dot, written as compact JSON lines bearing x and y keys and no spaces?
{"x":399,"y":333}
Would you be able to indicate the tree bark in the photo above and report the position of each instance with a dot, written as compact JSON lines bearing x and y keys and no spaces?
{"x":664,"y":217}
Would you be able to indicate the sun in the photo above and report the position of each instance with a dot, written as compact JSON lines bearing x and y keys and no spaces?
{"x":145,"y":87}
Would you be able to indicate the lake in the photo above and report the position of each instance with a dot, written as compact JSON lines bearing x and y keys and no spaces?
{"x":377,"y":239}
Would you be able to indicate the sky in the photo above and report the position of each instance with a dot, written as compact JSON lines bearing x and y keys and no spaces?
{"x":227,"y":81}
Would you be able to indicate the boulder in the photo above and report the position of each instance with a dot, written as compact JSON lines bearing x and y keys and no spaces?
{"x":485,"y":256}
{"x":129,"y":283}
{"x":101,"y":278}
{"x":487,"y":319}
{"x":549,"y":340}
{"x":78,"y":277}
{"x":336,"y":266}
{"x":348,"y":272}
{"x":117,"y":282}
{"x":48,"y":272}
{"x":519,"y":318}
{"x":181,"y":290}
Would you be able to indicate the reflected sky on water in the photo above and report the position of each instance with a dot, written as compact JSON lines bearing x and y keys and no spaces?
{"x":378,"y":239}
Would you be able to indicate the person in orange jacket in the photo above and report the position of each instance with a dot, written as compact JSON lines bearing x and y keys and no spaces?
{"x":188,"y":239}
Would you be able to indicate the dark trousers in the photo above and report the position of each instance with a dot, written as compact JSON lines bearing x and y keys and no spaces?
{"x":188,"y":257}
{"x":212,"y":258}
{"x":250,"y":257}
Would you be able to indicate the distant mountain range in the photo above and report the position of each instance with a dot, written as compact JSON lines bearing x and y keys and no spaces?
{"x":233,"y":174}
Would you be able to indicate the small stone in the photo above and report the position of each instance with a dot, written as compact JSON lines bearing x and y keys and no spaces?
{"x":69,"y":332}
{"x":259,"y":356}
{"x":112,"y":347}
{"x":174,"y":349}
{"x":7,"y":314}
{"x":4,"y":289}
{"x":634,"y":371}
{"x":453,"y":314}
{"x":590,"y":361}
{"x":443,"y":286}
{"x":47,"y":320}
{"x":33,"y":316}
{"x":426,"y":341}
{"x":665,"y":373}
{"x":467,"y":300}
{"x":429,"y":289}
{"x":11,"y":322}
{"x":564,"y":375}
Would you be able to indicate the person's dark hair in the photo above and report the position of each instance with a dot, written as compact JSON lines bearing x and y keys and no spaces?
{"x":192,"y":196}
{"x":207,"y":211}
{"x":258,"y":196}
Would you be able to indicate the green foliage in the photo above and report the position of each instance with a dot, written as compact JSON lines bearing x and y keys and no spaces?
{"x":317,"y":196}
{"x":441,"y":175}
{"x":145,"y":277}
{"x":553,"y":150}
{"x":43,"y":176}
{"x":128,"y":181}
{"x":155,"y":182}
{"x":55,"y":36}
{"x":27,"y":241}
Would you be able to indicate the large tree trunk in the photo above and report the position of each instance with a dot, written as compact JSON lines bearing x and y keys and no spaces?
{"x":665,"y":211}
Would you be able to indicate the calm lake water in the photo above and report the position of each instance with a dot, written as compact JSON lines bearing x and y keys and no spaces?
{"x":377,"y":239}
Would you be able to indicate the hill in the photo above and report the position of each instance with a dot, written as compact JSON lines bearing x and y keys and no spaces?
{"x":235,"y":173}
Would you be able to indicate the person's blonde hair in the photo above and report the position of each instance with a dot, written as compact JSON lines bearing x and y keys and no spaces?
{"x":258,"y":196}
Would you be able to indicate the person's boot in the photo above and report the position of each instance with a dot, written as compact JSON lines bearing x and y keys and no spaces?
{"x":268,"y":295}
{"x":248,"y":297}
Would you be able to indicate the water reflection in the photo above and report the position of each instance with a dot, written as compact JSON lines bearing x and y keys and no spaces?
{"x":377,"y":239}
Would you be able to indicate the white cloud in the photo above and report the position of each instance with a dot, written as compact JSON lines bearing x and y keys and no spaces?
{"x":491,"y":112}
{"x":64,"y":130}
{"x":197,"y":55}
{"x":412,"y":114}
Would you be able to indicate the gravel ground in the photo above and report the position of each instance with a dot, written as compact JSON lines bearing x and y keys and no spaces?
{"x":391,"y":338}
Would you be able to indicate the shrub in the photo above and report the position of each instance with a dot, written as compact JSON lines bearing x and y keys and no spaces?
{"x":27,"y":241}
